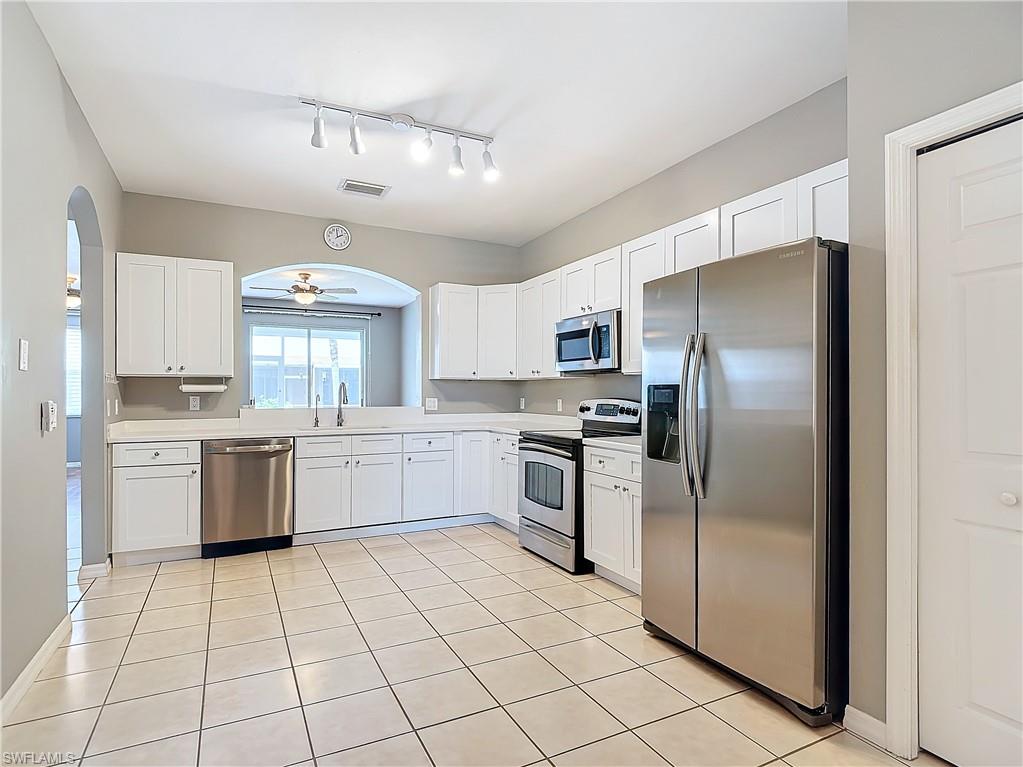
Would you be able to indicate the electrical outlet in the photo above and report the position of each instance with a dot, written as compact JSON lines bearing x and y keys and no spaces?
{"x":522,"y":403}
{"x":193,"y":402}
{"x":117,"y":407}
{"x":431,"y":403}
{"x":559,"y":405}
{"x":23,"y":354}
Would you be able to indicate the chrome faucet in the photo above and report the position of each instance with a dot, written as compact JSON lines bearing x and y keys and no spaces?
{"x":342,"y":399}
{"x":316,"y":413}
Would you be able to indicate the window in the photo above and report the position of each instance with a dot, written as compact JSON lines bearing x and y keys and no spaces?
{"x":289,"y":366}
{"x":73,"y":364}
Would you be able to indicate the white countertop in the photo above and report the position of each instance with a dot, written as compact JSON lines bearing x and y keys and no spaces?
{"x":234,"y":428}
{"x":630,"y":444}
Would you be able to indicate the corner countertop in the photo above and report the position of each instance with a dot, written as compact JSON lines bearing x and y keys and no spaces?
{"x":630,"y":444}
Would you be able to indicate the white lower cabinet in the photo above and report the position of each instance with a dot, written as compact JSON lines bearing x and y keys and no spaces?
{"x":511,"y":486}
{"x":633,"y":549}
{"x":376,"y":489}
{"x":428,"y":483}
{"x":504,"y":477}
{"x":323,"y":494}
{"x":603,"y":521}
{"x":473,"y":473}
{"x":156,"y":507}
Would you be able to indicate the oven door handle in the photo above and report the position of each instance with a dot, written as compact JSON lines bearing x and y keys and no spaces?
{"x":544,"y":449}
{"x":537,"y":532}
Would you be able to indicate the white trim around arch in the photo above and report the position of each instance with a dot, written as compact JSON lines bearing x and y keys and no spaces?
{"x":902,"y":707}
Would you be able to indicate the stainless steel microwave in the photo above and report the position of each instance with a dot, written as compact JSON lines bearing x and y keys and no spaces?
{"x":590,"y":343}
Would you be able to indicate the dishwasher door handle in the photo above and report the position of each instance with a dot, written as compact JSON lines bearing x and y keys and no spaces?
{"x":249,"y":449}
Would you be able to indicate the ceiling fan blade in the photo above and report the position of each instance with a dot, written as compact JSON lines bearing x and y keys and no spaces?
{"x":346,"y":291}
{"x":256,"y":287}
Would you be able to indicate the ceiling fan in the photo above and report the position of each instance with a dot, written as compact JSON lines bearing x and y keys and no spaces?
{"x":306,"y":293}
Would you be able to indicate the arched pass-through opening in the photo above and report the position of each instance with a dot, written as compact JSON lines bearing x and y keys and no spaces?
{"x":85,"y":395}
{"x":308,"y":327}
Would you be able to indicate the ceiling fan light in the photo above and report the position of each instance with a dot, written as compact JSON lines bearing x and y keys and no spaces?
{"x":305,"y":298}
{"x":421,"y":149}
{"x":456,"y":168}
{"x":319,"y":138}
{"x":355,"y":145}
{"x":490,"y":170}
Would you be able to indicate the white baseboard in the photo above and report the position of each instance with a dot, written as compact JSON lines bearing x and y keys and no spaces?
{"x":100,"y":570}
{"x":28,"y":675}
{"x":621,"y":580}
{"x":302,"y":539}
{"x":151,"y":556}
{"x":864,"y":725}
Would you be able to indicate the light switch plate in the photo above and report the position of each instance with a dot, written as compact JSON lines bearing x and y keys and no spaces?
{"x":193,"y":402}
{"x":559,"y":405}
{"x":23,"y":354}
{"x":431,"y":403}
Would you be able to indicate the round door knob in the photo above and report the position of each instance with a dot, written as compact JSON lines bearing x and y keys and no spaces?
{"x":1008,"y":499}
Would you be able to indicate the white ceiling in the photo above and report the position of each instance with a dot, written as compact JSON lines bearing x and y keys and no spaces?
{"x":196,"y":100}
{"x":374,"y":289}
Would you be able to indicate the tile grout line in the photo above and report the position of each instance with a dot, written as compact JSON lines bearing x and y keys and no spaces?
{"x":206,"y":665}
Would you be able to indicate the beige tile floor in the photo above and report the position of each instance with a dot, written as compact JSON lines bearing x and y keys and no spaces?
{"x":450,"y":647}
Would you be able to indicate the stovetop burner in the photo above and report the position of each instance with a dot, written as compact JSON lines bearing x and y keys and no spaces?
{"x":601,"y":418}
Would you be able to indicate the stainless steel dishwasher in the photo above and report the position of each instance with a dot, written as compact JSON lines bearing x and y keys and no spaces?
{"x":246,"y":495}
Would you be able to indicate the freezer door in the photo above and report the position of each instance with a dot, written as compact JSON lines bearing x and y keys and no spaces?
{"x":669,"y":513}
{"x":762,"y":443}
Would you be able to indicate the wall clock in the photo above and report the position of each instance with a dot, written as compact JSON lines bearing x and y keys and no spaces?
{"x":337,"y":237}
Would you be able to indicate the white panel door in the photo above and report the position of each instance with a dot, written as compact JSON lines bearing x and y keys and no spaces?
{"x":454,"y":328}
{"x":823,"y":202}
{"x":497,"y":331}
{"x":693,"y":242}
{"x":607,"y":280}
{"x":428,"y":485}
{"x":550,"y":314}
{"x":603,"y":521}
{"x":474,"y":470}
{"x":761,"y":220}
{"x":376,"y":489}
{"x":530,"y":300}
{"x":643,"y":259}
{"x":205,"y":317}
{"x":576,"y":288}
{"x":156,"y":507}
{"x":970,"y":273}
{"x":146,"y":315}
{"x":633,"y":526}
{"x":323,"y":494}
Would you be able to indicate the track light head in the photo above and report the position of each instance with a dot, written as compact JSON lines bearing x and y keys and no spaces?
{"x":456,"y":168}
{"x":355,"y":145}
{"x":490,"y":170}
{"x":319,"y":139}
{"x":421,"y":149}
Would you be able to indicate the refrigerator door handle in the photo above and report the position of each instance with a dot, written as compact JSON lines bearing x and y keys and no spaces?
{"x":694,"y":417}
{"x":683,"y":452}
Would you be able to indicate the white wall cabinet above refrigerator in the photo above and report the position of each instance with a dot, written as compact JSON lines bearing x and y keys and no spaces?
{"x":473,"y":331}
{"x":539,"y":311}
{"x":823,"y":202}
{"x":175,"y":316}
{"x":693,"y":242}
{"x":760,"y":220}
{"x":592,"y":284}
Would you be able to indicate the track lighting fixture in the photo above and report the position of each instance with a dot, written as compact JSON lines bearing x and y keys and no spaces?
{"x":456,"y":168}
{"x":490,"y":171}
{"x":355,"y":145}
{"x":319,"y":139}
{"x":399,"y":121}
{"x":421,"y":149}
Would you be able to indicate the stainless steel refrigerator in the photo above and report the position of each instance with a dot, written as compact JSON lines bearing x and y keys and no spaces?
{"x":745,"y":469}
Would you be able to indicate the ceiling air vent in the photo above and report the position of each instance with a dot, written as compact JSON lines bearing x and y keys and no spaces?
{"x":364,"y":188}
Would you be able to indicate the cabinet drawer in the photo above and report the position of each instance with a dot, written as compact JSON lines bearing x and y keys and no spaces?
{"x":368,"y":444}
{"x":323,"y":447}
{"x":157,"y":453}
{"x":614,"y":463}
{"x":420,"y":443}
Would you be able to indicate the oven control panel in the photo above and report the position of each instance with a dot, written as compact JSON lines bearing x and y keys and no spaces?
{"x":625,"y":411}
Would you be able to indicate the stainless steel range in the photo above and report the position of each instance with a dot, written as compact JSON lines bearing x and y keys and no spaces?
{"x":550,"y":480}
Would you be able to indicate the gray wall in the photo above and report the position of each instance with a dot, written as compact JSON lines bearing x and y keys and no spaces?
{"x":805,"y":136}
{"x":907,"y":61}
{"x":47,"y":150}
{"x":259,"y":239}
{"x":412,"y":354}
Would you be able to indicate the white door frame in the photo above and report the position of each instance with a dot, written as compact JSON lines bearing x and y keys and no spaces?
{"x":902,"y":726}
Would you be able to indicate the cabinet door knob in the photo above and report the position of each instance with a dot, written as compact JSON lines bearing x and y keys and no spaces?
{"x":502,"y":457}
{"x":589,"y":308}
{"x":169,"y":368}
{"x":194,"y":472}
{"x":356,"y":463}
{"x":347,"y":462}
{"x":156,"y":454}
{"x":618,"y":487}
{"x":181,"y":368}
{"x":582,"y":308}
{"x":1008,"y":499}
{"x":409,"y":459}
{"x":429,"y":442}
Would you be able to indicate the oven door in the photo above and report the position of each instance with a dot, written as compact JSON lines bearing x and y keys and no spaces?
{"x":588,"y":343}
{"x":547,"y":486}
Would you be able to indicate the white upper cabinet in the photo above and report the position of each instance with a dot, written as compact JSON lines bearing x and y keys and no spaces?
{"x":593,"y":284}
{"x":496,"y":357}
{"x":642,"y":260}
{"x":761,"y":220}
{"x":175,"y":316}
{"x":454,"y":331}
{"x":823,"y":201}
{"x":539,"y":311}
{"x":693,"y":242}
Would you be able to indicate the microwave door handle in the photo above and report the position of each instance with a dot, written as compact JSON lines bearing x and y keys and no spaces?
{"x":593,"y":354}
{"x":694,"y":417}
{"x":683,"y":450}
